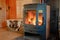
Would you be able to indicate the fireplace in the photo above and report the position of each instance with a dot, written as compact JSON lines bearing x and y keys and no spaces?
{"x":36,"y":19}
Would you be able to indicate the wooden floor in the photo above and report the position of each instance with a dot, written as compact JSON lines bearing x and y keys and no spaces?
{"x":8,"y":35}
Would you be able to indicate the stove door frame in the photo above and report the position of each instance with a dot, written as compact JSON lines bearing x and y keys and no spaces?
{"x":41,"y":29}
{"x":45,"y":29}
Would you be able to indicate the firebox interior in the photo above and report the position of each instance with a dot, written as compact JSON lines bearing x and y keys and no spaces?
{"x":30,"y":18}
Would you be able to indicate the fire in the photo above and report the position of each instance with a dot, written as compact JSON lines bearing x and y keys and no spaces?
{"x":31,"y":18}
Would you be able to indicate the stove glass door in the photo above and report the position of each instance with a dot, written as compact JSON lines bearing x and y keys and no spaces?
{"x":30,"y":17}
{"x":40,"y":19}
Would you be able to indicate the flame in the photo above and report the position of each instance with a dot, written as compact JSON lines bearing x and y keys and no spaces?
{"x":31,"y":18}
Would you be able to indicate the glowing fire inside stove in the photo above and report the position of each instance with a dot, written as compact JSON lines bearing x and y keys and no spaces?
{"x":31,"y":18}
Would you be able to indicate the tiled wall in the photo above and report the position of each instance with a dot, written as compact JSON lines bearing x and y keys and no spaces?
{"x":19,"y":8}
{"x":2,"y":11}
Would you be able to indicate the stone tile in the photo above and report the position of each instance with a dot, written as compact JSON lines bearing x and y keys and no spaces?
{"x":8,"y":35}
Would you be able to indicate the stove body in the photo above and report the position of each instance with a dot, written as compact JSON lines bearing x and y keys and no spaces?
{"x":36,"y":19}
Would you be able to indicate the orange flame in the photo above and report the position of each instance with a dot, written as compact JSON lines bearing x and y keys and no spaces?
{"x":31,"y":18}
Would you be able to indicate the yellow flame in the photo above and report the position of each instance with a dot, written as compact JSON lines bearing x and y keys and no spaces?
{"x":31,"y":18}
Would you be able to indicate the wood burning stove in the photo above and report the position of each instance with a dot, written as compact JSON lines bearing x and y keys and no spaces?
{"x":36,"y":19}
